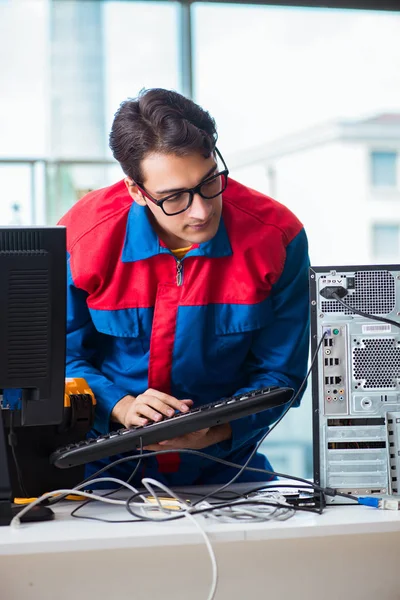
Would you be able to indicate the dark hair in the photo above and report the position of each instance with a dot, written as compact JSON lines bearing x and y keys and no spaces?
{"x":159,"y":121}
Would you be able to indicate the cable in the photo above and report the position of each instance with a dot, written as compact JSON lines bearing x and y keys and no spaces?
{"x":241,"y":468}
{"x":12,"y":440}
{"x":215,"y":508}
{"x":131,"y":476}
{"x":202,"y":454}
{"x":273,"y":506}
{"x":256,"y":502}
{"x":261,"y":515}
{"x":363,"y":314}
{"x":225,"y":462}
{"x":327,"y":491}
{"x":236,"y":495}
{"x":15,"y":522}
{"x":148,"y":483}
{"x":296,"y":395}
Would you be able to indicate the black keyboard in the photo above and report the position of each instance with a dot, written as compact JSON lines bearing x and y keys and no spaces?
{"x":208,"y":415}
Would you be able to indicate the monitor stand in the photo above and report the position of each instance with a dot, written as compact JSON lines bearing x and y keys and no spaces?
{"x":7,"y":510}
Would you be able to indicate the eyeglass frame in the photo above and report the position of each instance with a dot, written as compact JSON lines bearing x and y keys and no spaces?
{"x":190,"y":191}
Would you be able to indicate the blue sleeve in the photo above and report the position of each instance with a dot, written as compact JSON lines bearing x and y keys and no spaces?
{"x":83,"y":343}
{"x":279,"y":353}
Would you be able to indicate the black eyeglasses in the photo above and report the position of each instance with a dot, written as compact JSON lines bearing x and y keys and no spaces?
{"x":208,"y":189}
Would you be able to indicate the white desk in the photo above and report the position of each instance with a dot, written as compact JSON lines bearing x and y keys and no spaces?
{"x":348,"y":552}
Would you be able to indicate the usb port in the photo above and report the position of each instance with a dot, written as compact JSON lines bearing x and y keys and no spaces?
{"x":330,"y":342}
{"x":336,"y":361}
{"x":326,"y":380}
{"x":326,"y":342}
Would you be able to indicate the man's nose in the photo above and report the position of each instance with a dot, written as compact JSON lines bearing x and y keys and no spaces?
{"x":200,"y":208}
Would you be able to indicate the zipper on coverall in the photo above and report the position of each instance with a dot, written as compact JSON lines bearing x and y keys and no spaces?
{"x":179,"y":273}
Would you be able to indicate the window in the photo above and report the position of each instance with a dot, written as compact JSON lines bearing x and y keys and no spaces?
{"x":78,"y":60}
{"x":270,"y":73}
{"x":386,"y":241}
{"x":383,"y":169}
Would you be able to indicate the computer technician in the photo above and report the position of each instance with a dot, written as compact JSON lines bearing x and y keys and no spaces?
{"x":184,"y":286}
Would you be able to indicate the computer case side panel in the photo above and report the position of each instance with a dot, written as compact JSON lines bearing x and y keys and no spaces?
{"x":314,"y":375}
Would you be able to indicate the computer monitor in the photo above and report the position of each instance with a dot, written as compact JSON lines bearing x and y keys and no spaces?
{"x":32,"y":333}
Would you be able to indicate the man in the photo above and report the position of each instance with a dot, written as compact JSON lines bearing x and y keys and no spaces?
{"x":184,"y":286}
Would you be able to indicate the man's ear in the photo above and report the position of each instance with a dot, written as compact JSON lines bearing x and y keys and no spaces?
{"x":134,"y":191}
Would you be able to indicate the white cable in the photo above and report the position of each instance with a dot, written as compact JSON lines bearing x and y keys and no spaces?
{"x":225,"y":514}
{"x":16,"y":521}
{"x":112,"y":480}
{"x":148,"y":483}
{"x":256,"y":513}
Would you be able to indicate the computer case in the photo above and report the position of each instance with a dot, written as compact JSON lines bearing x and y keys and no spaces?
{"x":356,"y":379}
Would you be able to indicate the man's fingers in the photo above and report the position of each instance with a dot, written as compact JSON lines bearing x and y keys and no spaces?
{"x":166,"y":399}
{"x":154,"y":406}
{"x":188,"y":402}
{"x":133,"y":419}
{"x":145,"y":410}
{"x":155,"y":409}
{"x":200,"y":432}
{"x":159,"y":406}
{"x":185,"y":439}
{"x":153,"y":447}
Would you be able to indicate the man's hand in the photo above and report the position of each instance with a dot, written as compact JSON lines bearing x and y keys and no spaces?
{"x":197,"y":440}
{"x":150,"y":406}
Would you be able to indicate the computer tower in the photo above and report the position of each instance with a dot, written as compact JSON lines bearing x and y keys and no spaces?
{"x":356,"y":379}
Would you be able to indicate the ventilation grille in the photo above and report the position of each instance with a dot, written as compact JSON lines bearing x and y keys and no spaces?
{"x":376,"y":364}
{"x":374,"y":293}
{"x":20,"y":240}
{"x":28,"y":323}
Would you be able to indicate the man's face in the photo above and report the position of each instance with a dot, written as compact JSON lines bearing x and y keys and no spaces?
{"x":165,"y":174}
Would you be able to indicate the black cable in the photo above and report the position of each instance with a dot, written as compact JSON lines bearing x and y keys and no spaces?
{"x":363,"y":314}
{"x":246,"y":502}
{"x":267,"y":433}
{"x":209,"y":509}
{"x":226,"y":502}
{"x":202,"y":454}
{"x":12,"y":440}
{"x":346,"y":496}
{"x":88,"y":517}
{"x":110,"y":493}
{"x":248,"y":495}
{"x":255,"y":502}
{"x":327,"y":491}
{"x":237,"y":495}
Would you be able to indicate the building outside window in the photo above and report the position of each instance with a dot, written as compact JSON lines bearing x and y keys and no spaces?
{"x":386,"y":241}
{"x":383,"y":169}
